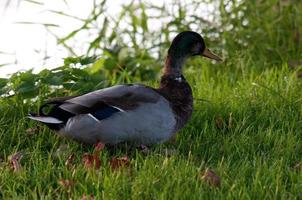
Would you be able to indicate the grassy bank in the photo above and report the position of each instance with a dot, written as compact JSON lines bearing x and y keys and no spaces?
{"x":246,"y":127}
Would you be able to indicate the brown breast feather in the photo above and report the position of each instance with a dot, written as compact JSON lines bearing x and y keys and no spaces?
{"x":179,"y":95}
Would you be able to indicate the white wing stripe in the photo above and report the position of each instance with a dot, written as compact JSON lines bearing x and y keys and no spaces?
{"x":118,"y":108}
{"x":93,"y":117}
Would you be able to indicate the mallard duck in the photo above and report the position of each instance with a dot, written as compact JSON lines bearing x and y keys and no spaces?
{"x":132,"y":113}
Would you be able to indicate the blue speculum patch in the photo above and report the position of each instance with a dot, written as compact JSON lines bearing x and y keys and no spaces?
{"x":105,"y":112}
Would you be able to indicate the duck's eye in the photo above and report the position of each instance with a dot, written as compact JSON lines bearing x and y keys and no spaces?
{"x":196,"y":49}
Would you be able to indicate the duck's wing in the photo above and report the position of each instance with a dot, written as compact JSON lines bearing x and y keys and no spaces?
{"x":121,"y":97}
{"x":99,"y":104}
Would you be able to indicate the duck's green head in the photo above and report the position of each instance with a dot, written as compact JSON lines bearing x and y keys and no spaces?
{"x":189,"y":43}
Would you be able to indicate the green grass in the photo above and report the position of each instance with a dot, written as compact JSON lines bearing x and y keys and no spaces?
{"x":254,"y":156}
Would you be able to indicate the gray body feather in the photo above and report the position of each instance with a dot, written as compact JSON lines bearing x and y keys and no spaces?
{"x":145,"y":116}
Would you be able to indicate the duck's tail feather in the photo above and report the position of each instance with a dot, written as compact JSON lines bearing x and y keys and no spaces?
{"x":45,"y":119}
{"x":52,"y":122}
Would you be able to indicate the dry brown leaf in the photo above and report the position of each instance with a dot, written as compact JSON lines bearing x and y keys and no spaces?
{"x":219,"y":122}
{"x":14,"y":161}
{"x":293,"y":64}
{"x":15,"y":165}
{"x":67,"y":183}
{"x":87,"y":197}
{"x":119,"y":162}
{"x":69,"y":161}
{"x":32,"y":131}
{"x":298,"y":166}
{"x":91,"y":161}
{"x":99,"y":147}
{"x":17,"y":156}
{"x":210,"y":177}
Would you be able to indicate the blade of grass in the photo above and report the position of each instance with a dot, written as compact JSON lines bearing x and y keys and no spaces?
{"x":34,"y":2}
{"x":5,"y":64}
{"x":38,"y":23}
{"x":65,"y":15}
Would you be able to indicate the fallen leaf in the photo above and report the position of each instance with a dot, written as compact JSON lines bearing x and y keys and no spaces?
{"x":67,"y":183}
{"x":99,"y":146}
{"x":91,"y":161}
{"x":15,"y":165}
{"x":118,"y":162}
{"x":298,"y":166}
{"x":32,"y":131}
{"x":210,"y":177}
{"x":294,"y":63}
{"x":219,"y":122}
{"x":14,"y":161}
{"x":17,"y":156}
{"x":69,"y":161}
{"x":87,"y":197}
